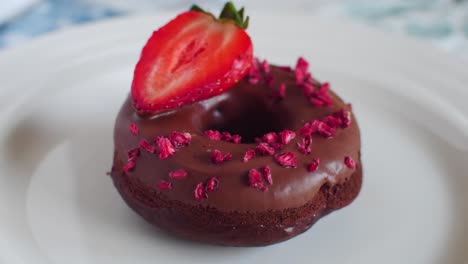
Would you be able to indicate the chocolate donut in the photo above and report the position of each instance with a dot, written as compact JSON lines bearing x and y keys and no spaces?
{"x":253,"y":166}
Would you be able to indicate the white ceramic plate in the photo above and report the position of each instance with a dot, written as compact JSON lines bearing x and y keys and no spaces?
{"x":60,"y":94}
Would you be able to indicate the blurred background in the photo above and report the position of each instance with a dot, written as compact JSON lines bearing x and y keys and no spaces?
{"x":443,"y":23}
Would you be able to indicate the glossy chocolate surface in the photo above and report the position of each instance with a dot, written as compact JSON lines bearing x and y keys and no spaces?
{"x":250,"y":111}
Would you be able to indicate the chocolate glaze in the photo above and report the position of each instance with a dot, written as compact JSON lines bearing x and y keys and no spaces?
{"x":250,"y":111}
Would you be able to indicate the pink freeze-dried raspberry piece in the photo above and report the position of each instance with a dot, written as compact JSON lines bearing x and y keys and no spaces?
{"x":270,"y":80}
{"x":213,"y":134}
{"x":277,"y":146}
{"x":307,"y":130}
{"x":286,"y":159}
{"x":180,"y":139}
{"x":255,"y":180}
{"x":325,"y":130}
{"x":301,"y":70}
{"x":200,"y":193}
{"x":281,"y":94}
{"x":133,"y":153}
{"x":333,"y":121}
{"x":133,"y":129}
{"x":305,"y":145}
{"x":307,"y":89}
{"x":212,"y":184}
{"x":178,"y":174}
{"x":164,"y":185}
{"x":144,"y":144}
{"x":265,"y":66}
{"x":217,"y":157}
{"x":236,"y":139}
{"x":264,"y":149}
{"x":254,"y":73}
{"x":226,"y":136}
{"x":165,"y":147}
{"x":344,"y":116}
{"x":349,"y":162}
{"x":286,"y":136}
{"x":130,"y":166}
{"x":250,"y":154}
{"x":270,"y":138}
{"x":267,"y":174}
{"x":314,"y":165}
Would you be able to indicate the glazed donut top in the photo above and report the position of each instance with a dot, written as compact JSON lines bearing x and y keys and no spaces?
{"x":184,"y":156}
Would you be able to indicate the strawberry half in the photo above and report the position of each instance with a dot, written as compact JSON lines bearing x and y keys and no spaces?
{"x":194,"y":57}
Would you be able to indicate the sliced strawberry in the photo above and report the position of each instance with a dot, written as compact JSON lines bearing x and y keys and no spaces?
{"x":193,"y":57}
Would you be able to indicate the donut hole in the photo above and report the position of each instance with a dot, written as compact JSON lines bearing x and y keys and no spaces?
{"x":251,"y":120}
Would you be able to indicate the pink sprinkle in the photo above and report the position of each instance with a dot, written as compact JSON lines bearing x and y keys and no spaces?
{"x":133,"y":153}
{"x":179,"y":139}
{"x":349,"y":162}
{"x":165,"y":147}
{"x":250,"y":154}
{"x":286,"y":159}
{"x":212,"y":184}
{"x":264,"y":149}
{"x":255,"y":180}
{"x":267,"y":174}
{"x":265,"y":66}
{"x":144,"y":144}
{"x":286,"y":136}
{"x":236,"y":139}
{"x":314,"y":165}
{"x":199,"y":193}
{"x":164,"y":185}
{"x":130,"y":166}
{"x":270,"y":138}
{"x":217,"y":157}
{"x":134,"y":129}
{"x":305,"y":145}
{"x":178,"y":174}
{"x":213,"y":135}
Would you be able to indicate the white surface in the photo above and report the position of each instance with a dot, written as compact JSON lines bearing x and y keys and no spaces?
{"x":11,"y":8}
{"x":63,"y":93}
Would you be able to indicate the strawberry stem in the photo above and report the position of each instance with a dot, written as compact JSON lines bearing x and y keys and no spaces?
{"x":197,"y":8}
{"x":229,"y":12}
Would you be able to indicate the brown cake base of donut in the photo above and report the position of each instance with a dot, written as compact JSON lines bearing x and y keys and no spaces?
{"x":210,"y":225}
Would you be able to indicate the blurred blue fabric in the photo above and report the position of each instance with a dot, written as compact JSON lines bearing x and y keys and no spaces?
{"x":441,"y":22}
